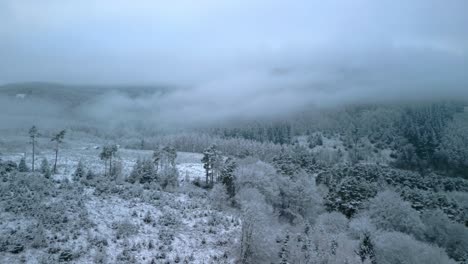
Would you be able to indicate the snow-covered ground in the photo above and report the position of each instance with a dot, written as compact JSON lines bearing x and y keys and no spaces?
{"x":169,"y":227}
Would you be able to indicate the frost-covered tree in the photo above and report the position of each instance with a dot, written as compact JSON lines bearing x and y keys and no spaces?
{"x":117,"y":170}
{"x":452,"y":152}
{"x":136,"y":172}
{"x":395,"y":247}
{"x":58,"y":139}
{"x":315,"y":140}
{"x":168,"y":178}
{"x":227,"y":176}
{"x":388,"y":211}
{"x":45,"y":168}
{"x":22,"y":166}
{"x":447,"y":234}
{"x":285,"y":164}
{"x":143,"y":172}
{"x":255,"y":232}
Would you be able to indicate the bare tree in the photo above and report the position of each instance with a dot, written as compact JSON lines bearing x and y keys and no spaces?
{"x":33,"y":134}
{"x":57,"y":138}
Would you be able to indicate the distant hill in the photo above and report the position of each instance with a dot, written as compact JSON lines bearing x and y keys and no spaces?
{"x":73,"y":95}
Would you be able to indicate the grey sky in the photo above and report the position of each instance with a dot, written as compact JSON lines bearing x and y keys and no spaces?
{"x":182,"y":41}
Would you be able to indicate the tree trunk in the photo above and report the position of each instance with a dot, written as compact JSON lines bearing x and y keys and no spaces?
{"x":33,"y":150}
{"x":110,"y":165}
{"x":105,"y":167}
{"x":55,"y":162}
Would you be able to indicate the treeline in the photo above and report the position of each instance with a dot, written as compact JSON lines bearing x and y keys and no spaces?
{"x":421,"y":136}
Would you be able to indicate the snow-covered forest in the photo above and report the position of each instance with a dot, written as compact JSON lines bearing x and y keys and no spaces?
{"x":356,"y":184}
{"x":234,"y":131}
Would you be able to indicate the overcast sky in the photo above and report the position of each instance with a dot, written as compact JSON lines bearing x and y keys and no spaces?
{"x":245,"y":58}
{"x":185,"y":41}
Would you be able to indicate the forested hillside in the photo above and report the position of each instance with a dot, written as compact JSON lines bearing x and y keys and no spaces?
{"x":358,"y":184}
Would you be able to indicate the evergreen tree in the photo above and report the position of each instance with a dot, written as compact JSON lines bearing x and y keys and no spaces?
{"x":284,"y":164}
{"x":227,"y":176}
{"x":45,"y":168}
{"x":147,"y":172}
{"x":348,"y":196}
{"x":22,"y":166}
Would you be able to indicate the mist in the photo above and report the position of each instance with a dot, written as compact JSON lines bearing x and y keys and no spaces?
{"x":237,"y":59}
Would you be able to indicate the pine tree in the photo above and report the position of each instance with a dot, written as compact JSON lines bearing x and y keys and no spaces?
{"x":22,"y":166}
{"x":212,"y":163}
{"x":58,"y":139}
{"x":107,"y":153}
{"x":45,"y":168}
{"x":164,"y":158}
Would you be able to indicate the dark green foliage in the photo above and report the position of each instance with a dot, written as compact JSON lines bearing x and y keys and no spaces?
{"x":349,"y":195}
{"x":285,"y":164}
{"x":348,"y":185}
